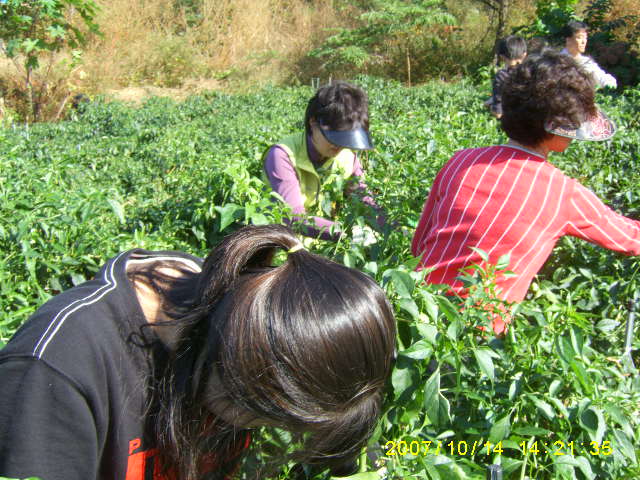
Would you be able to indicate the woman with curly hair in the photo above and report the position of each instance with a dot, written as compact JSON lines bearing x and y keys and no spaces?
{"x":508,"y":199}
{"x":162,"y":364}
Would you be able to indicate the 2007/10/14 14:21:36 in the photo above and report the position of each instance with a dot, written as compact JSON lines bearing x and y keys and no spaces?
{"x":463,"y":448}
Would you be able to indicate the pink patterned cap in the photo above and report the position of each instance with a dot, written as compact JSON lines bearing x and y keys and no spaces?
{"x":598,"y":127}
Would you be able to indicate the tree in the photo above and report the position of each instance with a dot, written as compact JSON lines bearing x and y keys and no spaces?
{"x":551,"y":17}
{"x":384,"y":23}
{"x":500,"y":8}
{"x":31,"y":29}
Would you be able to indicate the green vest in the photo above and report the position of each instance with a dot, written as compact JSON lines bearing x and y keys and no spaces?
{"x":311,"y":179}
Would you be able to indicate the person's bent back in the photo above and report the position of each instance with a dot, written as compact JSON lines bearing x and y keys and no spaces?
{"x":509,"y":199}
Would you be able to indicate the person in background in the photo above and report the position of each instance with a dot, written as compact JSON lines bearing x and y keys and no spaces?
{"x":512,"y":50}
{"x":163,"y":364}
{"x":536,"y":45}
{"x":509,"y":199}
{"x":336,"y":123}
{"x":575,"y":41}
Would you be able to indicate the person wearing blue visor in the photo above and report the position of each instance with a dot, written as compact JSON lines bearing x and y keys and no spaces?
{"x":298,"y":166}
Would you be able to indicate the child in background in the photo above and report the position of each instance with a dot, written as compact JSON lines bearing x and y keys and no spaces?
{"x":512,"y":50}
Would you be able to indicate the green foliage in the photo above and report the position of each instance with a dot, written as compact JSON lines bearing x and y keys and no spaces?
{"x":384,"y":25}
{"x":551,"y":17}
{"x":181,"y":175}
{"x":30,"y":30}
{"x":38,"y":26}
{"x":30,"y":478}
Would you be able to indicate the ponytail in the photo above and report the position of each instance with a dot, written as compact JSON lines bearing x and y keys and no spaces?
{"x":249,"y":249}
{"x":306,"y":345}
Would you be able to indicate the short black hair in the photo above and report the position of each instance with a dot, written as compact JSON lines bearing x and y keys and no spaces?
{"x":573,"y":27}
{"x":339,"y":106}
{"x":512,"y":47}
{"x":537,"y":44}
{"x":547,"y":88}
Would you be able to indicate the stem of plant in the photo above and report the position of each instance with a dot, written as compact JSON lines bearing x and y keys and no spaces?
{"x":363,"y":460}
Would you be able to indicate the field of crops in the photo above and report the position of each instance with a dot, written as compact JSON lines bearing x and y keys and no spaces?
{"x":555,"y":399}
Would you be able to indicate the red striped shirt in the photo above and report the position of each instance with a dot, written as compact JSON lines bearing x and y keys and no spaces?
{"x":507,"y":200}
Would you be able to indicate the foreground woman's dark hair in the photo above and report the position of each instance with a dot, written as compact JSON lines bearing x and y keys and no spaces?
{"x":305,"y":346}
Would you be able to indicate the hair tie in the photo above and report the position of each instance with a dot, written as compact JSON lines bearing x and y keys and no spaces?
{"x":295,"y":248}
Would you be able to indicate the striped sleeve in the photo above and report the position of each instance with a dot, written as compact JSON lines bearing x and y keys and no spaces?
{"x":426,"y":218}
{"x":592,"y":220}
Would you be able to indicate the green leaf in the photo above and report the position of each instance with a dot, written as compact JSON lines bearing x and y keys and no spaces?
{"x":418,"y":351}
{"x":565,"y":350}
{"x":349,"y":260}
{"x":555,"y":387}
{"x":543,"y":407}
{"x":559,"y":406}
{"x":624,"y":445}
{"x":514,"y":388}
{"x":401,"y":380}
{"x":577,"y":339}
{"x":500,"y":429}
{"x":582,"y":376}
{"x":607,"y":325}
{"x":503,"y":262}
{"x":409,"y":306}
{"x":402,"y":282}
{"x":30,"y":478}
{"x":454,"y":329}
{"x":481,"y":253}
{"x":450,"y":311}
{"x":592,"y":420}
{"x":485,"y":362}
{"x":259,"y":219}
{"x":362,"y":476}
{"x":532,"y":431}
{"x":585,"y":467}
{"x":117,"y":208}
{"x":56,"y":31}
{"x":228,"y":214}
{"x":429,"y":333}
{"x":29,"y":45}
{"x":620,"y":418}
{"x":436,"y":406}
{"x":430,"y":304}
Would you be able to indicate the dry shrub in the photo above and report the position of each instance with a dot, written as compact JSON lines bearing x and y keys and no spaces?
{"x":627,"y":9}
{"x":153,"y":41}
{"x":54,"y":83}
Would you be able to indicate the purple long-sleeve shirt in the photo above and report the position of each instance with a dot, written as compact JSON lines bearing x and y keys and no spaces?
{"x":284,"y":181}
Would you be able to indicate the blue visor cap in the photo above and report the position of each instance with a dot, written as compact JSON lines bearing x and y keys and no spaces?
{"x":356,"y":139}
